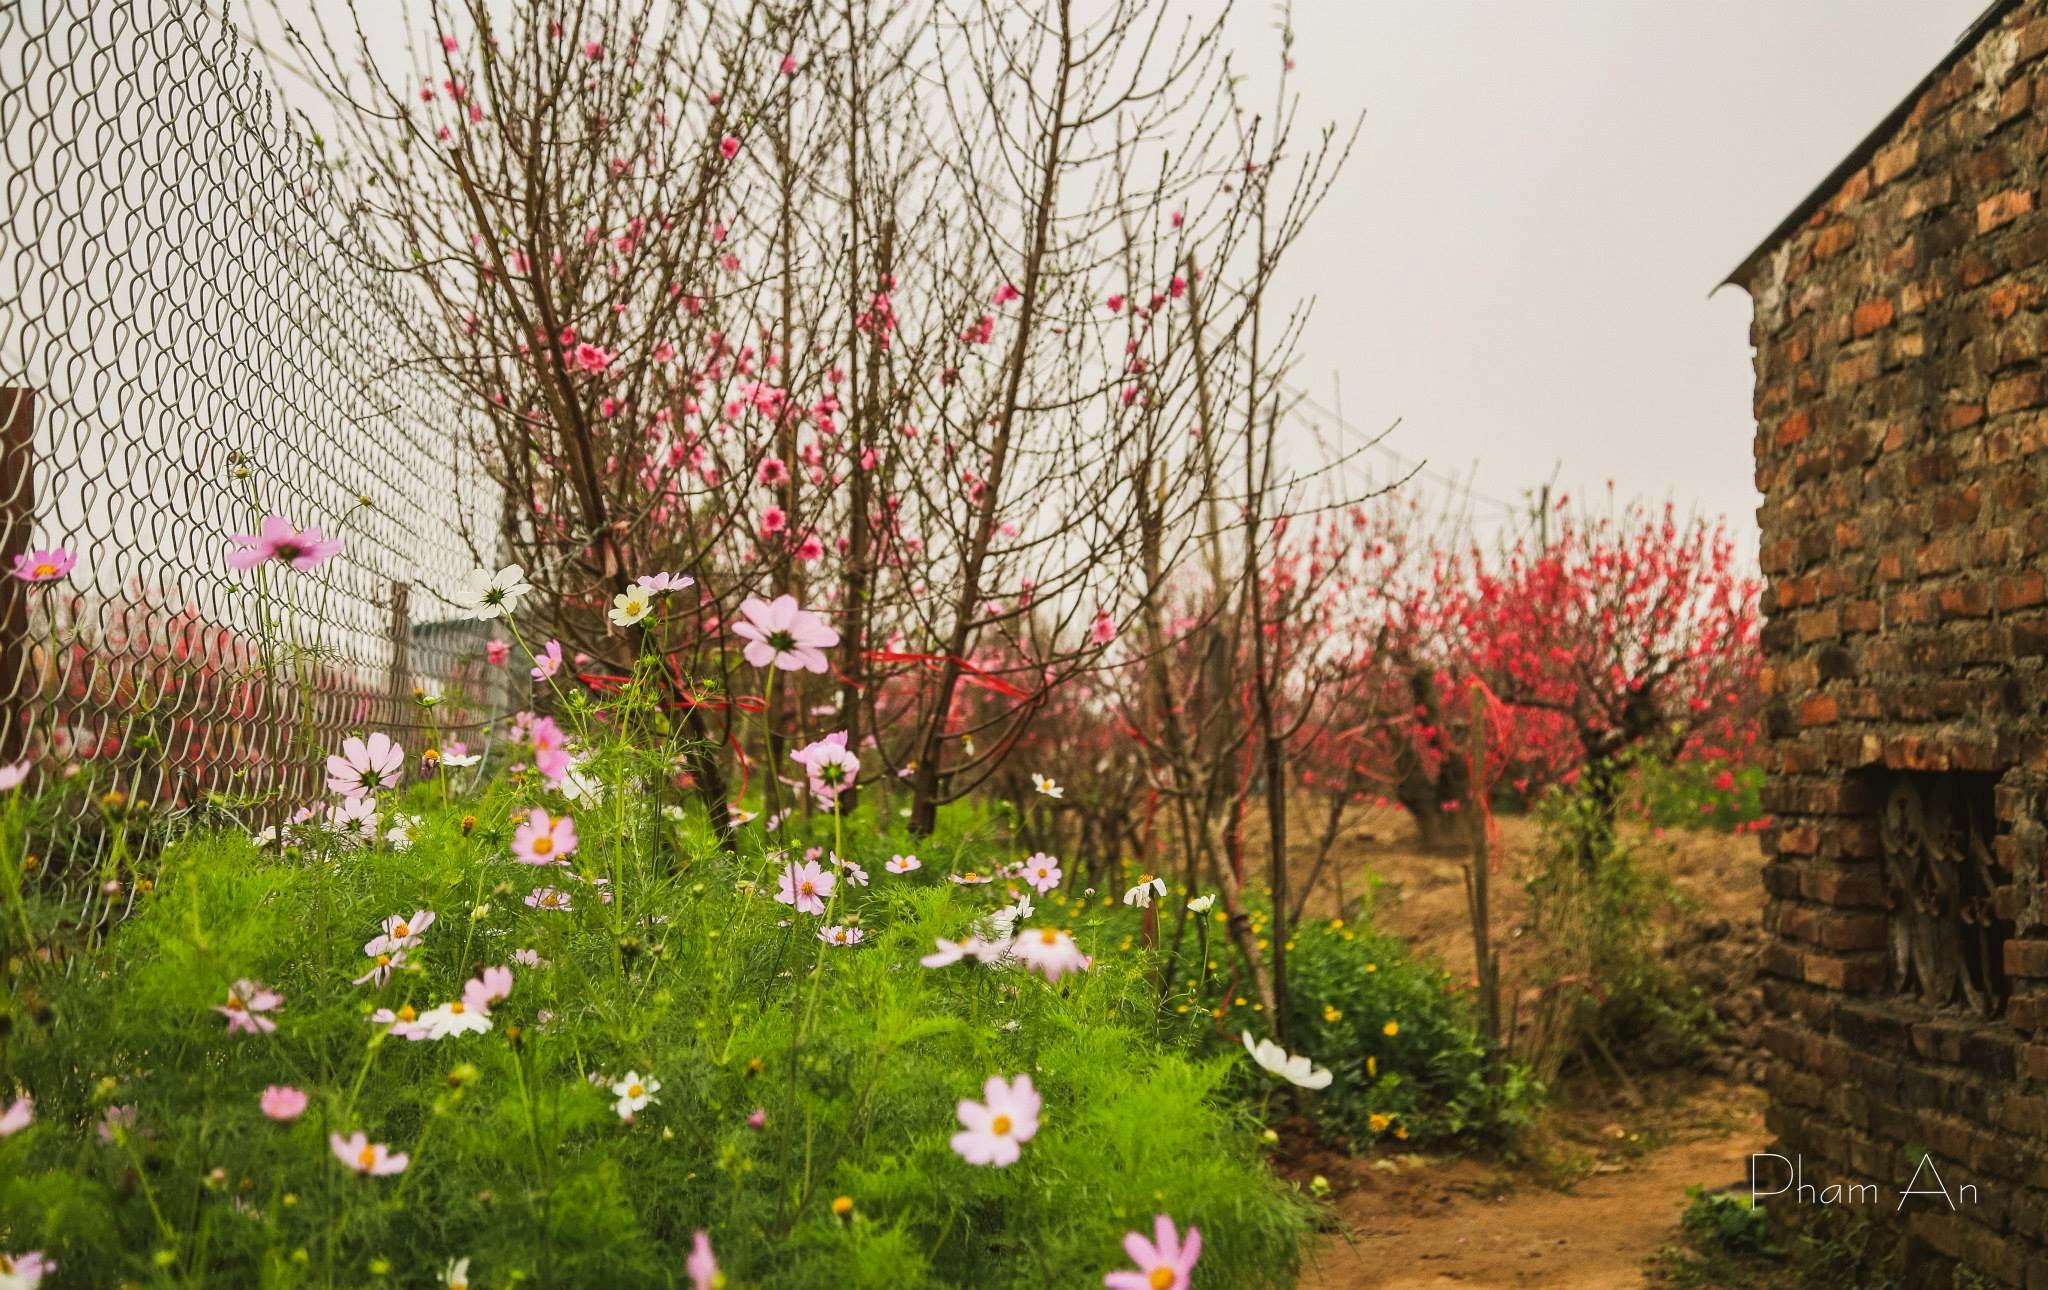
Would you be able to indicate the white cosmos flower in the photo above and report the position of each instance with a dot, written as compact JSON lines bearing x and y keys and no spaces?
{"x":460,"y":760}
{"x":494,"y":595}
{"x":629,"y":607}
{"x":578,"y":785}
{"x":1201,"y":904}
{"x":450,"y":1019}
{"x":1141,"y":895}
{"x":456,"y":1275}
{"x":635,"y":1092}
{"x":1046,"y":785}
{"x":1004,"y":921}
{"x":1298,"y":1071}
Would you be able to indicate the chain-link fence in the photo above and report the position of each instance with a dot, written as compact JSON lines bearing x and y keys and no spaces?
{"x":185,"y":346}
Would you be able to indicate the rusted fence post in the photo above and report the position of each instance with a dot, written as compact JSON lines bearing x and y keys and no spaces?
{"x":17,"y":518}
{"x":399,"y":685}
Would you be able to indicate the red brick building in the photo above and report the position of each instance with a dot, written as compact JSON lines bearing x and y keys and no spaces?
{"x":1901,"y":336}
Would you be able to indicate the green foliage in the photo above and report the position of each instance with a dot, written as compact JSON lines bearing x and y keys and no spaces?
{"x":1725,"y":1221}
{"x":1349,"y":985}
{"x":1729,"y":1244}
{"x":1698,"y":794}
{"x":1597,"y":912}
{"x":856,"y":1057}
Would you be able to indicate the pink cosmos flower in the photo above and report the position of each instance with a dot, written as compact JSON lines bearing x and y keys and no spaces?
{"x":992,"y":1132}
{"x":357,"y":814}
{"x":806,"y":887}
{"x":832,"y":766}
{"x":1050,"y":952}
{"x":365,"y":765}
{"x":1164,"y":1262}
{"x":400,"y":932}
{"x":550,"y":750}
{"x":46,"y":565}
{"x":841,"y":935}
{"x":281,"y":1102}
{"x":779,"y":634}
{"x":487,"y":988}
{"x":656,"y":583}
{"x":1042,"y":872}
{"x":496,"y":652}
{"x":12,"y":777}
{"x":275,"y":539}
{"x":543,"y":839}
{"x":18,"y":1116}
{"x":116,"y":1120}
{"x":382,"y":964}
{"x":902,"y":864}
{"x":950,"y":952}
{"x":550,"y":899}
{"x":405,"y":1023}
{"x":701,"y":1266}
{"x":245,"y":1006}
{"x":548,"y":661}
{"x":367,"y":1157}
{"x":25,"y":1270}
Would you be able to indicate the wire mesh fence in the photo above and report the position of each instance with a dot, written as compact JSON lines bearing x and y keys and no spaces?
{"x":185,"y":346}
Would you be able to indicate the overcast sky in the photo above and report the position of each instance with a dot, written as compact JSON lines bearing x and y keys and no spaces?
{"x":1517,"y":261}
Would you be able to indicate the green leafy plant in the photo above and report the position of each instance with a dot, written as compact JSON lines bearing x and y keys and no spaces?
{"x":802,"y":1094}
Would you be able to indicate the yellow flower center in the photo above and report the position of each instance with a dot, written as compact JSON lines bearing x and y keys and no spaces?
{"x":406,"y":1013}
{"x":805,"y":888}
{"x":1049,"y":936}
{"x":1161,"y":1278}
{"x":543,"y":844}
{"x":235,"y":1004}
{"x":45,"y":570}
{"x":367,"y":1158}
{"x":634,"y":1090}
{"x":402,"y":929}
{"x":457,"y":1007}
{"x":1000,"y":1126}
{"x":383,"y":960}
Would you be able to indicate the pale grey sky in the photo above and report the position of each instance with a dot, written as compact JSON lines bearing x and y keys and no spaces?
{"x":1517,"y":260}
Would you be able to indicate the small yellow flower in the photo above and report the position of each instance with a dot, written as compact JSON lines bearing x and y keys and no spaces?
{"x":1372,"y":1068}
{"x":842,"y":1205}
{"x":1379,"y":1122}
{"x":1401,"y":1132}
{"x":1391,"y":1029}
{"x":1332,"y":1015}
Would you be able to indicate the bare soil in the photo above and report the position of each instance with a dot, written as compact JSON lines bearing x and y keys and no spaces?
{"x":1600,"y":1187}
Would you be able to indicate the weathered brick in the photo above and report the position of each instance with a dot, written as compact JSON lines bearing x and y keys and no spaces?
{"x":2000,"y":209}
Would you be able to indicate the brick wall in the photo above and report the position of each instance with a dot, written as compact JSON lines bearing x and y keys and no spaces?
{"x":1901,"y":338}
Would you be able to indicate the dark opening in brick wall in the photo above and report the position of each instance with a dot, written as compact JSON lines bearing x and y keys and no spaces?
{"x":1946,"y":940}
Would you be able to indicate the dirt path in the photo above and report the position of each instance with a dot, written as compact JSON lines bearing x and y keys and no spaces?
{"x":1612,"y":1181}
{"x":1425,"y":1224}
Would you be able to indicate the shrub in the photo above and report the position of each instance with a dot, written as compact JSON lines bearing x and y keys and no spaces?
{"x":150,"y":1160}
{"x":1399,"y":1037}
